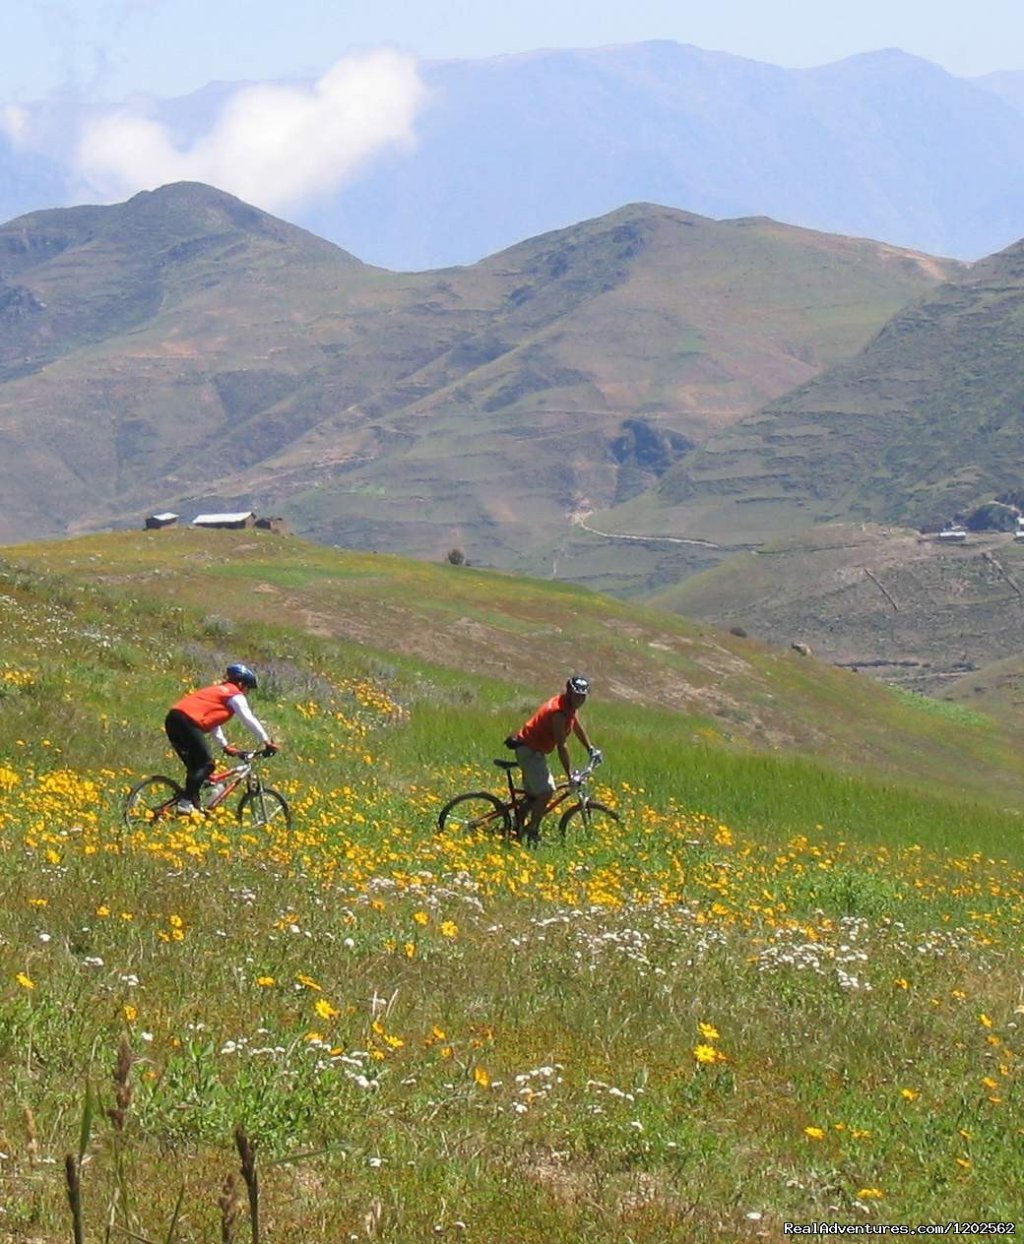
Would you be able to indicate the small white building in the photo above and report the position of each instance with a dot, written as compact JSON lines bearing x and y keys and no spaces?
{"x":1019,"y":533}
{"x":953,"y":533}
{"x":234,"y":522}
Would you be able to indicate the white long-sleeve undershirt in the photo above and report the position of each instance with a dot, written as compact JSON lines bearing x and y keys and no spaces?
{"x":239,"y":706}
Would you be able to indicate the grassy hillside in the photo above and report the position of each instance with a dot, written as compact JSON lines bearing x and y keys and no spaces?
{"x":782,"y":988}
{"x":184,"y":351}
{"x":102,"y":632}
{"x":493,"y":643}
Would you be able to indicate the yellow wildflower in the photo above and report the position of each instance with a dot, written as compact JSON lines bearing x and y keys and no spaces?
{"x":707,"y":1055}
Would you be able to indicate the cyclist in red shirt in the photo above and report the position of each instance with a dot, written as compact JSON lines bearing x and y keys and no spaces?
{"x":204,"y":712}
{"x":547,"y":731}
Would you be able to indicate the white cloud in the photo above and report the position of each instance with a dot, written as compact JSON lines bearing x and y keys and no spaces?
{"x":274,"y":146}
{"x":14,"y":123}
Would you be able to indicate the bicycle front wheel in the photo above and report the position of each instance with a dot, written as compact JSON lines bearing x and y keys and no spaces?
{"x":584,"y":818}
{"x":152,"y":799}
{"x":475,"y":812}
{"x":259,"y":808}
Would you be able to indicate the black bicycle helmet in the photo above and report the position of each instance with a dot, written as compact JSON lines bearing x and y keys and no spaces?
{"x":242,"y":675}
{"x":578,"y":684}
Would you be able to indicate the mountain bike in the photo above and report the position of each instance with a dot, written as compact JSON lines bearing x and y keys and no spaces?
{"x":483,"y":812}
{"x":156,"y":797}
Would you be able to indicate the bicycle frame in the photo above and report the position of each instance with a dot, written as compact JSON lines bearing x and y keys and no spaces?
{"x":481,"y":810}
{"x":157,"y":796}
{"x":229,"y":780}
{"x":577,"y":786}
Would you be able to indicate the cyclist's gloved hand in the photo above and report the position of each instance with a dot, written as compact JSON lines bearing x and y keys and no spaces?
{"x":229,"y":750}
{"x":271,"y":749}
{"x":596,"y":755}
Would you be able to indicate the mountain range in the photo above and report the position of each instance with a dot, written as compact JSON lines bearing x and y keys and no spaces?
{"x":186,"y":351}
{"x":882,"y":145}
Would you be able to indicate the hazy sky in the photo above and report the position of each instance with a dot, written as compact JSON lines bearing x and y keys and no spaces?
{"x":322,"y":88}
{"x":107,"y":49}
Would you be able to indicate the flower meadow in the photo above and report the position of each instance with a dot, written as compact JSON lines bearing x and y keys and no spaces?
{"x":678,"y":1029}
{"x":769,"y":994}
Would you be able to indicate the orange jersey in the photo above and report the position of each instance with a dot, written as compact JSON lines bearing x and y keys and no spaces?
{"x":539,"y":732}
{"x":208,"y":707}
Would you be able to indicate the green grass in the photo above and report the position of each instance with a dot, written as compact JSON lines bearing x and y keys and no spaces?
{"x":783,"y":990}
{"x":942,"y":708}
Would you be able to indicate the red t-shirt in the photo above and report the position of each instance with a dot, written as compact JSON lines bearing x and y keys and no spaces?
{"x":208,"y":707}
{"x":539,"y":731}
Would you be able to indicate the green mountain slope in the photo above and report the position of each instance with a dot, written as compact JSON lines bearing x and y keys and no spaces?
{"x":186,"y":351}
{"x":922,"y":424}
{"x":112,"y":624}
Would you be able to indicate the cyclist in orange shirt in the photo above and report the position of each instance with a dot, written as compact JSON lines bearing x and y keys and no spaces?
{"x":547,"y":731}
{"x":204,"y":712}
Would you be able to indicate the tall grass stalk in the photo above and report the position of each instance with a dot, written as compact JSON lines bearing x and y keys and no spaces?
{"x":247,"y":1152}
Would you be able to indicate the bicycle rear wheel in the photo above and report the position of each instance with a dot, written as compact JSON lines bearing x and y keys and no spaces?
{"x":584,"y":818}
{"x":259,"y":808}
{"x":475,"y":812}
{"x":152,"y":799}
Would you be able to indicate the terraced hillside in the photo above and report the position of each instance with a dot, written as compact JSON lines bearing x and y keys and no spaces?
{"x":921,"y":425}
{"x":921,"y":614}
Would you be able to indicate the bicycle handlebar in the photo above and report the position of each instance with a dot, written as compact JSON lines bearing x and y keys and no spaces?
{"x":579,"y":776}
{"x":246,"y":758}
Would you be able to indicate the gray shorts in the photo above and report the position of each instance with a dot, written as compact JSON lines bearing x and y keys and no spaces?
{"x":536,"y":775}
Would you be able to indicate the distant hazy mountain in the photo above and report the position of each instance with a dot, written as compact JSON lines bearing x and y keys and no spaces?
{"x":1007,"y":84}
{"x":883,"y":145}
{"x":186,"y":351}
